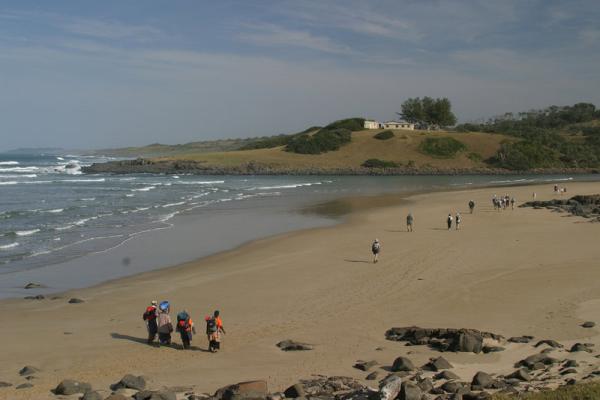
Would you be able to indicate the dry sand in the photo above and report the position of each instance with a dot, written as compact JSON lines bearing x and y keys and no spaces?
{"x":521,"y":272}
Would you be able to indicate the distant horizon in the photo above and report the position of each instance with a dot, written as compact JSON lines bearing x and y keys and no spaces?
{"x":115,"y":75}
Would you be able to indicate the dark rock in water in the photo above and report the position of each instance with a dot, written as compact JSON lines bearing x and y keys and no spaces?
{"x":28,"y":370}
{"x":521,"y":374}
{"x":24,"y":386}
{"x":130,"y":382}
{"x":520,"y":339}
{"x":410,"y":391}
{"x":580,"y":347}
{"x":549,"y":342}
{"x":452,"y":386}
{"x":372,"y":376}
{"x":588,"y":324}
{"x":75,"y":300}
{"x":5,"y":384}
{"x":70,"y":386}
{"x":243,"y":391}
{"x":93,"y":395}
{"x":492,"y":349}
{"x":449,"y":375}
{"x":437,"y":364}
{"x":482,"y":380}
{"x":365,"y":365}
{"x":32,"y":285}
{"x":402,"y":364}
{"x":467,"y":340}
{"x":294,"y":391}
{"x":38,"y":297}
{"x":290,"y":345}
{"x":155,"y":395}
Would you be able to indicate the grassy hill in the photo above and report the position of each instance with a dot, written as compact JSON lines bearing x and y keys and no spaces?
{"x":404,"y":148}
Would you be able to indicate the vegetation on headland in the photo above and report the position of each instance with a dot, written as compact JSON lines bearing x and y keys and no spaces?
{"x":428,"y":112}
{"x":441,"y":147}
{"x":583,"y":391}
{"x":329,"y":138}
{"x":384,"y":135}
{"x":377,"y":163}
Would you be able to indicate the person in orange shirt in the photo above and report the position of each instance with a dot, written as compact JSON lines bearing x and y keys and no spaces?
{"x":214,"y":328}
{"x":185,"y":327}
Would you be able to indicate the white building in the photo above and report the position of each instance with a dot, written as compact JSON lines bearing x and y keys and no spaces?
{"x":372,"y":124}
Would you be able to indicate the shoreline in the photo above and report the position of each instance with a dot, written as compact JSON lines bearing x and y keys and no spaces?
{"x":318,"y":286}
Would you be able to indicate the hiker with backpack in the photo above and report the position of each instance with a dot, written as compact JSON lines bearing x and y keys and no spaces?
{"x":471,"y":206}
{"x":375,"y":249}
{"x":458,"y":220}
{"x":185,"y":327}
{"x":214,"y":328}
{"x":449,"y":221}
{"x":150,"y":317}
{"x":410,"y":220}
{"x":165,"y":327}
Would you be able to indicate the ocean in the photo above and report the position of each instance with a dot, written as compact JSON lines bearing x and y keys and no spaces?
{"x":66,"y":229}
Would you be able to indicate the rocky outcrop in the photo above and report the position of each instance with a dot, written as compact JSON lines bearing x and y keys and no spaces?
{"x":70,"y":386}
{"x":587,"y":206}
{"x":443,"y":339}
{"x":291,"y":345}
{"x":130,"y":382}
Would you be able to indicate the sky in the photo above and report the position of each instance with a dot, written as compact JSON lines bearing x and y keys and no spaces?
{"x":95,"y":74}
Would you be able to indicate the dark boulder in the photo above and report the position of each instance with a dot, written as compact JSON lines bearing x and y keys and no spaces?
{"x":70,"y":386}
{"x":92,"y":395}
{"x":290,"y":345}
{"x":410,"y":391}
{"x":402,"y":364}
{"x":294,"y":392}
{"x":520,"y":339}
{"x":130,"y":382}
{"x":252,"y":390}
{"x":482,"y":380}
{"x":588,"y":324}
{"x":28,"y":370}
{"x":75,"y":300}
{"x":437,"y":364}
{"x":580,"y":347}
{"x":365,"y":365}
{"x":452,"y":387}
{"x":521,"y":374}
{"x":425,"y":385}
{"x":448,"y":375}
{"x":468,"y":342}
{"x":492,"y":349}
{"x":532,"y":361}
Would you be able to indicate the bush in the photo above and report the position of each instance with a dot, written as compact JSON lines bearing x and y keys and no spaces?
{"x":321,"y":142}
{"x":443,"y":147}
{"x":526,"y":155}
{"x":352,"y":124}
{"x":384,"y":135}
{"x":377,"y":163}
{"x":275,"y":141}
{"x":474,"y":157}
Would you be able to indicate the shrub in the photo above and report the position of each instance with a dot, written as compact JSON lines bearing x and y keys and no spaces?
{"x":275,"y":141}
{"x":377,"y":163}
{"x":474,"y":157}
{"x":321,"y":142}
{"x":352,"y":124}
{"x":526,"y":155}
{"x":443,"y":147}
{"x":384,"y":135}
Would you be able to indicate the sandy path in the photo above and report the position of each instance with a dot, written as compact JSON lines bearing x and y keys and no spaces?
{"x":513,"y":272}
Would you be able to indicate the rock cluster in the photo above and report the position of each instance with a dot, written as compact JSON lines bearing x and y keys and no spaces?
{"x":587,"y":206}
{"x":443,"y":339}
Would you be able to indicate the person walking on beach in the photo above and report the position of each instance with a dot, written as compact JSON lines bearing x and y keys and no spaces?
{"x":185,"y":327}
{"x":449,"y":221}
{"x":150,"y":317}
{"x":457,"y":221}
{"x":165,"y":327}
{"x":376,"y":248}
{"x":214,"y":328}
{"x":471,"y":206}
{"x":409,"y":222}
{"x":534,"y":196}
{"x":512,"y":202}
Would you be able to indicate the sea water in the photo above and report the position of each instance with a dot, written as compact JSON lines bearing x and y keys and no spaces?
{"x":66,"y":229}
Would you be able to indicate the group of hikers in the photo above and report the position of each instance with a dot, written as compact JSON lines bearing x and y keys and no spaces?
{"x":158,"y":322}
{"x":503,"y":202}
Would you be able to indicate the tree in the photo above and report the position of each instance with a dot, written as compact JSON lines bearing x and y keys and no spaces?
{"x":428,"y":111}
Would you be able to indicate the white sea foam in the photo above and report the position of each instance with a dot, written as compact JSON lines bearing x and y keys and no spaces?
{"x":173,"y":204}
{"x":144,"y":189}
{"x":60,"y":159}
{"x":20,"y":169}
{"x":9,"y":183}
{"x":291,"y":186}
{"x":55,"y":210}
{"x":9,"y":163}
{"x":199,"y":182}
{"x":129,"y":195}
{"x":9,"y":246}
{"x":18,"y":176}
{"x":27,"y":233}
{"x":128,"y":179}
{"x":64,"y":228}
{"x":88,"y":199}
{"x":84,"y":180}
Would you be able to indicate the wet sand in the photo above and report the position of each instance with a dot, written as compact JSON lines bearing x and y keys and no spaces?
{"x":521,"y":272}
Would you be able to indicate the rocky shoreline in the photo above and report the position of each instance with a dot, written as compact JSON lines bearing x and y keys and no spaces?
{"x":142,"y":165}
{"x":550,"y":366}
{"x":581,"y":206}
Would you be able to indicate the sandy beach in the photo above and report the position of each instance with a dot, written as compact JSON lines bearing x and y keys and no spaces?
{"x":521,"y":272}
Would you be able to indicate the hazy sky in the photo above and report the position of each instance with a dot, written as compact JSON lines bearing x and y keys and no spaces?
{"x":89,"y":74}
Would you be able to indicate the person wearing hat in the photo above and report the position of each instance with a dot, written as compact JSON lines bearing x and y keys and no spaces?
{"x":151,"y":323}
{"x":376,"y":248}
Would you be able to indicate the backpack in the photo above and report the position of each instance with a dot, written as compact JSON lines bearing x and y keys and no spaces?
{"x":375,"y":247}
{"x":149,"y":314}
{"x":183,"y":325}
{"x":211,"y":325}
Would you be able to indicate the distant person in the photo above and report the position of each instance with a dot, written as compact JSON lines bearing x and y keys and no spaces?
{"x":376,"y":248}
{"x":471,"y":206}
{"x":449,"y":221}
{"x":458,"y":220}
{"x":534,"y":196}
{"x":409,"y":222}
{"x":555,"y":188}
{"x":165,"y":327}
{"x":512,"y":202}
{"x":214,"y":328}
{"x":150,"y":317}
{"x":185,"y":327}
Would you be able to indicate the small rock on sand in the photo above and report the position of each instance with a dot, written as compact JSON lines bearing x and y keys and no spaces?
{"x":365,"y":365}
{"x":75,"y":300}
{"x":437,"y":364}
{"x":402,"y":364}
{"x":520,"y":339}
{"x":588,"y":324}
{"x":70,"y":386}
{"x":243,"y":391}
{"x":38,"y":297}
{"x":449,"y":375}
{"x":24,"y":386}
{"x":32,"y":285}
{"x":28,"y":370}
{"x":290,"y":345}
{"x":580,"y":347}
{"x":130,"y":382}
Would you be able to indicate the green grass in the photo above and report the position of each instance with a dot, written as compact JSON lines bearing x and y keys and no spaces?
{"x":585,"y":391}
{"x":377,"y":163}
{"x":321,"y":142}
{"x":441,"y":147}
{"x":384,"y":135}
{"x":352,"y":124}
